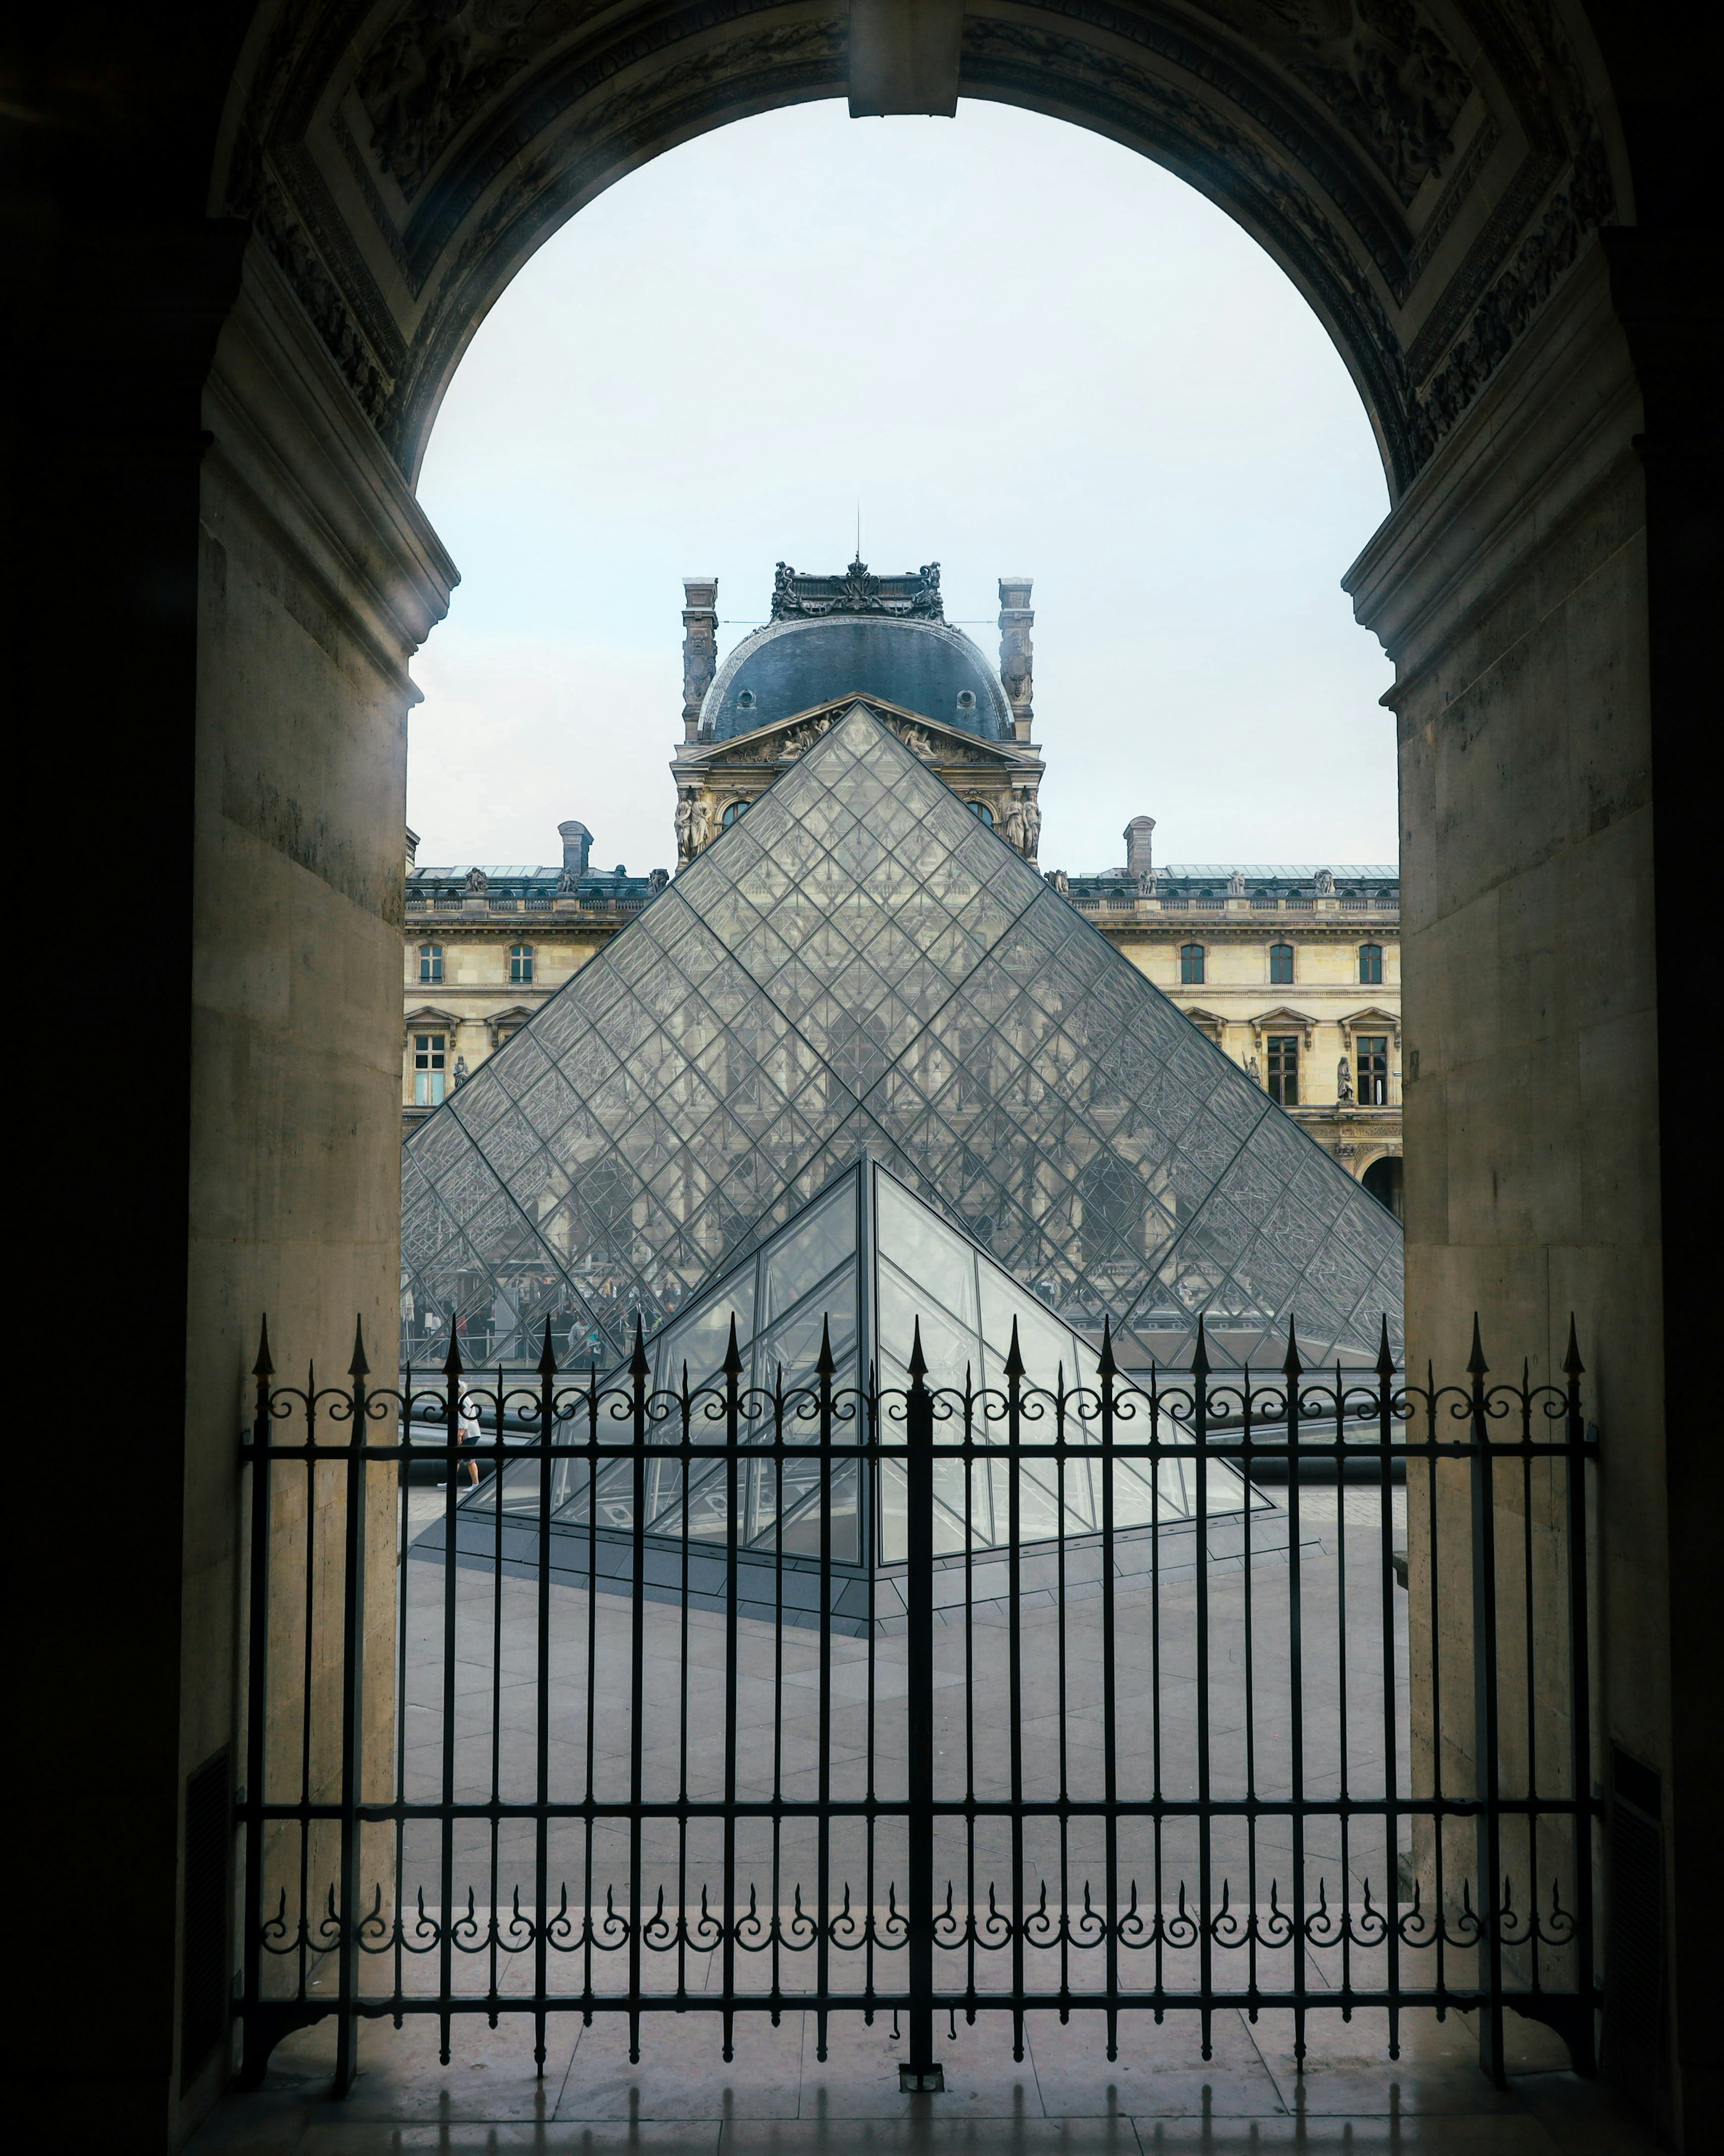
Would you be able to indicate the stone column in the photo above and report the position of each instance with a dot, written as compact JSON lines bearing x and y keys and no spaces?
{"x":700,"y":647}
{"x":1016,"y":654}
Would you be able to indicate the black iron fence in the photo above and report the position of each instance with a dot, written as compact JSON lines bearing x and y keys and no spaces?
{"x":919,"y":1703}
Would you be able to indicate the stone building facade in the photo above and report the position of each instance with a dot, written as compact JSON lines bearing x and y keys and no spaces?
{"x":1292,"y":969}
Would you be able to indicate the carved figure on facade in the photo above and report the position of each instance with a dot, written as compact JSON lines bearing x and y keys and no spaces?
{"x":800,"y":740}
{"x":1058,"y":879}
{"x":1343,"y":1080}
{"x":684,"y":822}
{"x":1011,"y":824}
{"x":1032,"y":825}
{"x":478,"y":883}
{"x":1323,"y":883}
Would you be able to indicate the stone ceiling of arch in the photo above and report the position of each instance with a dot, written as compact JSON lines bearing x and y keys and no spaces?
{"x":1425,"y":170}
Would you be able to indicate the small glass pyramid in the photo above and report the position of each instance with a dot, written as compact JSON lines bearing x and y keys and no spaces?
{"x":860,"y":1266}
{"x":858,"y":964}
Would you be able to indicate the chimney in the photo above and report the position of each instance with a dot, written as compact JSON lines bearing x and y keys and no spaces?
{"x":577,"y":845}
{"x":1017,"y":657}
{"x":700,"y":647}
{"x":1139,"y":832}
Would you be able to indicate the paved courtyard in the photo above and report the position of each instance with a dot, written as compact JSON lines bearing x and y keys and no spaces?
{"x":778,"y":2094}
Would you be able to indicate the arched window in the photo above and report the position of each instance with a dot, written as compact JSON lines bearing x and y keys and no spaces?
{"x":520,"y":962}
{"x":430,"y":961}
{"x":430,"y":1067}
{"x":1280,"y":963}
{"x":1382,"y":1179}
{"x":1371,"y":965}
{"x":733,"y":809}
{"x":982,"y":813}
{"x":1191,"y":965}
{"x":744,"y":702}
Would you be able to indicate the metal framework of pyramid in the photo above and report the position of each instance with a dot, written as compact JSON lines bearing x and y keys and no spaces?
{"x":860,"y":964}
{"x":864,"y":1268}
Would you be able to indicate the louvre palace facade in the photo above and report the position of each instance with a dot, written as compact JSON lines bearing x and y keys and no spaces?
{"x":859,"y":955}
{"x":1292,"y":969}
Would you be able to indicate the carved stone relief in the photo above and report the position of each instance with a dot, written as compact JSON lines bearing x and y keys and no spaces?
{"x":291,"y":244}
{"x":433,"y":65}
{"x":1381,"y":65}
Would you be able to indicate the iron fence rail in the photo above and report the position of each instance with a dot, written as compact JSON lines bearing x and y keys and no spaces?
{"x":1273,"y":1779}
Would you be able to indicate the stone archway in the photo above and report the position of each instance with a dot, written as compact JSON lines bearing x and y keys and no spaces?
{"x":253,"y":255}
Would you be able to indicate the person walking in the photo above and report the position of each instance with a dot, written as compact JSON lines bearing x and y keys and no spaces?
{"x":471,"y":1430}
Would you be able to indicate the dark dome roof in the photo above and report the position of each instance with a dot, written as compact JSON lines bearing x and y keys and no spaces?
{"x":791,"y":666}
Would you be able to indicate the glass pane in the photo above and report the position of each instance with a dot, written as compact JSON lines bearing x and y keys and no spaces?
{"x":803,"y":1257}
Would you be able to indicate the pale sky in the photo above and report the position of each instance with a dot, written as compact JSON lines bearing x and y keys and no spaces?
{"x":1025,"y":350}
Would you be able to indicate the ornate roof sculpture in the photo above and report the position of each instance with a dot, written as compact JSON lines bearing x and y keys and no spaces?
{"x":857,"y":590}
{"x":859,"y":963}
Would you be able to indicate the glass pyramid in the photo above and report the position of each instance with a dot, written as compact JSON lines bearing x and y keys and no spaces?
{"x":863,"y":1263}
{"x":858,"y":964}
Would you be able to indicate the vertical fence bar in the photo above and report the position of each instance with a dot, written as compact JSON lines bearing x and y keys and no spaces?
{"x":541,"y":1719}
{"x":1109,"y":1747}
{"x":823,"y":1861}
{"x":452,"y":1408}
{"x":732,"y":1440}
{"x":638,"y":1372}
{"x":352,"y":1770}
{"x":257,"y":1712}
{"x":1014,"y":1665}
{"x":1200,"y":1547}
{"x":1486,"y":1747}
{"x":1583,"y":2044}
{"x":920,"y":2071}
{"x":1293,"y":1372}
{"x":1391,"y":1761}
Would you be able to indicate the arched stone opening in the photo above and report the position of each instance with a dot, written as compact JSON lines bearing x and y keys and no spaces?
{"x":1382,"y":1178}
{"x":252,"y":265}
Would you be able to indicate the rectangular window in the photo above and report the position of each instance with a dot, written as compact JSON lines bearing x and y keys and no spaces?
{"x":1372,"y":1052}
{"x":1371,"y":965}
{"x":430,"y":961}
{"x":1281,"y":963}
{"x":1191,"y":965}
{"x":1283,"y":1068}
{"x":430,"y":1067}
{"x":520,"y":963}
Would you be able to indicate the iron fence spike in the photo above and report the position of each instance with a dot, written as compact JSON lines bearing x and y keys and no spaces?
{"x":451,"y":1361}
{"x":825,"y":1367}
{"x":732,"y":1364}
{"x":358,"y":1368}
{"x":548,"y":1358}
{"x":1385,"y":1361}
{"x":1476,"y":1366}
{"x":1572,"y":1365}
{"x":264,"y":1368}
{"x":1014,"y":1359}
{"x":638,"y":1365}
{"x":918,"y":1361}
{"x":1200,"y":1354}
{"x":1291,"y":1367}
{"x":1104,"y":1362}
